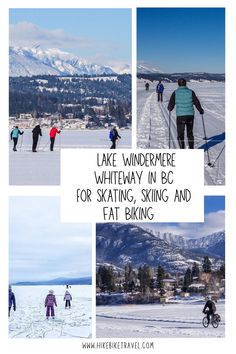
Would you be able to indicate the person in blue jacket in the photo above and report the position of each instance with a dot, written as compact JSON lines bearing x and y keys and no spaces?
{"x":159,"y":91}
{"x":15,"y":135}
{"x":184,"y":99}
{"x":11,"y":301}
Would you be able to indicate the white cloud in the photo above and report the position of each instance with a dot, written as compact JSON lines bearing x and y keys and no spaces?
{"x":26,"y":34}
{"x":41,"y":247}
{"x":214,"y":222}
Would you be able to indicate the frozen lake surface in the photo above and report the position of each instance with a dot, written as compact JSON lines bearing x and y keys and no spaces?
{"x":157,"y":321}
{"x":43,"y":167}
{"x":29,"y":319}
{"x":153,"y":124}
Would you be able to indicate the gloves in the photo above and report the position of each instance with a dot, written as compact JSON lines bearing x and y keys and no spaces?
{"x":202,"y":111}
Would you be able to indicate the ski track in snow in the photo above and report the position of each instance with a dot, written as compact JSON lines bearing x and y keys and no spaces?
{"x":153,"y":124}
{"x":43,"y":167}
{"x":150,"y":321}
{"x":29,"y":320}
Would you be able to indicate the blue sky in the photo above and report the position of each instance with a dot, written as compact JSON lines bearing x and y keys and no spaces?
{"x":41,"y":247}
{"x":182,"y":39}
{"x":101,"y":35}
{"x":214,"y":211}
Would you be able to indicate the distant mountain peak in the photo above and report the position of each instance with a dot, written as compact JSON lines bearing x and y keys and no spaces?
{"x":121,"y":244}
{"x":36,"y":61}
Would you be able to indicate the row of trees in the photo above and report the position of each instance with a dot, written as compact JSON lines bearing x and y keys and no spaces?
{"x":146,"y":279}
{"x":50,"y":94}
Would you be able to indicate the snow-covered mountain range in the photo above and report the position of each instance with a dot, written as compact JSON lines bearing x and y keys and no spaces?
{"x":35,"y":61}
{"x":213,"y":244}
{"x":120,"y":244}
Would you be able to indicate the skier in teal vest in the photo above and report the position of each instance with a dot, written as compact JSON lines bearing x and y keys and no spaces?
{"x":184,"y":99}
{"x":15,"y":135}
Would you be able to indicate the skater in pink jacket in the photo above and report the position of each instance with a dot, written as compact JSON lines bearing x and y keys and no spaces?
{"x":50,"y":301}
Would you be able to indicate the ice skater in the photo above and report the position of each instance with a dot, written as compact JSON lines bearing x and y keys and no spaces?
{"x":184,"y":99}
{"x":36,"y":133}
{"x":53,"y":132}
{"x":114,"y":136}
{"x":15,"y":135}
{"x":67,"y":299}
{"x":11,"y":301}
{"x":50,"y":301}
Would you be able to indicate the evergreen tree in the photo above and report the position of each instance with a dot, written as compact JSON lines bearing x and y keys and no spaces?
{"x":195,"y":270}
{"x":129,"y":278}
{"x":144,"y":276}
{"x":187,"y":279}
{"x":106,"y":278}
{"x":160,"y":277}
{"x":206,"y":266}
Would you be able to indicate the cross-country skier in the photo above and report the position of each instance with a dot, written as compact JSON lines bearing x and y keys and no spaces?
{"x":11,"y":301}
{"x":53,"y":132}
{"x":114,"y":136}
{"x":209,"y":308}
{"x":15,"y":135}
{"x":184,"y":99}
{"x":50,"y":301}
{"x":67,"y":299}
{"x":147,"y":86}
{"x":159,"y":91}
{"x":36,"y":133}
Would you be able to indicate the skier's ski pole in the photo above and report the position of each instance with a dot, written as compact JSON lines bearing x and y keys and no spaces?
{"x":213,"y":165}
{"x":22,"y":136}
{"x":169,"y":127}
{"x":45,"y":145}
{"x":39,"y":142}
{"x":205,"y":137}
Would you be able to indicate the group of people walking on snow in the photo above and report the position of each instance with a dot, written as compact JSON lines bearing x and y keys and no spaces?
{"x":36,"y":133}
{"x":184,"y":99}
{"x":50,"y":302}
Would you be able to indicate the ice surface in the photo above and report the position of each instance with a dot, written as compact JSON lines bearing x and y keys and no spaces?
{"x":153,"y":123}
{"x":29,"y":319}
{"x":43,"y":167}
{"x":182,"y":319}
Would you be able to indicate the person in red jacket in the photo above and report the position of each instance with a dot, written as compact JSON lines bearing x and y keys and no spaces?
{"x":53,"y":132}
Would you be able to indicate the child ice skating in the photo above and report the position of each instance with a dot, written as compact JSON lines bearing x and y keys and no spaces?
{"x":67,"y":299}
{"x":50,"y":301}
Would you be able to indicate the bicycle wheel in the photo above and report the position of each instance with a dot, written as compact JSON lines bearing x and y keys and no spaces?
{"x":215,"y":323}
{"x":205,"y":322}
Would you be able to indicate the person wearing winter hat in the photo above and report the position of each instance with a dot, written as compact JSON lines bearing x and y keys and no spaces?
{"x":184,"y":99}
{"x":11,"y":301}
{"x":50,"y":301}
{"x":67,"y":299}
{"x":36,"y":133}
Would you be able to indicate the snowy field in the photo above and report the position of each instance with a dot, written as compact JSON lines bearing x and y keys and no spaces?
{"x":153,"y":124}
{"x":43,"y":167}
{"x":156,"y":321}
{"x":29,"y":320}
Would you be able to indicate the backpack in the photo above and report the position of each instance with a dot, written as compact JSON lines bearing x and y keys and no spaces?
{"x":213,"y":307}
{"x":111,"y":134}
